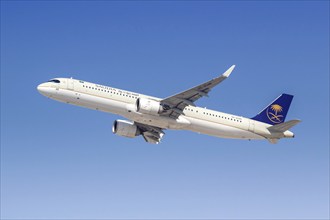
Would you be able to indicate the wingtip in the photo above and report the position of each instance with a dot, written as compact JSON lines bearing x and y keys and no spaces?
{"x":228,"y":72}
{"x":297,"y":120}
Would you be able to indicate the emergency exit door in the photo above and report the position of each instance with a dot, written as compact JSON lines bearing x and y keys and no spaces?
{"x":70,"y":84}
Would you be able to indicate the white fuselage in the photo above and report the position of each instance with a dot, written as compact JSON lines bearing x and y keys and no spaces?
{"x":121,"y":102}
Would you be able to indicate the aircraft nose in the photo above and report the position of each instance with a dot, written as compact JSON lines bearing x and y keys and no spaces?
{"x":42,"y":88}
{"x":39,"y":87}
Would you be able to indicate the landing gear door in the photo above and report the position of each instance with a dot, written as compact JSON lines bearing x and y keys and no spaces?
{"x":70,"y":84}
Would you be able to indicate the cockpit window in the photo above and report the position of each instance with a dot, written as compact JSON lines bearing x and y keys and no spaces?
{"x":54,"y":81}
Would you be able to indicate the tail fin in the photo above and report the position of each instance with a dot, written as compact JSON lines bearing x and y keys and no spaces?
{"x":275,"y":113}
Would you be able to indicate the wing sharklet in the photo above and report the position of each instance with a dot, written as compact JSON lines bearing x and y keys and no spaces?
{"x":228,"y":72}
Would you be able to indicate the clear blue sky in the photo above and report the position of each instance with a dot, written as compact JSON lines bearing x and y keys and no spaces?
{"x":62,"y":161}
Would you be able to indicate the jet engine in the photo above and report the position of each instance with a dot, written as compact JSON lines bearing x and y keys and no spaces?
{"x":148,"y":106}
{"x":125,"y":128}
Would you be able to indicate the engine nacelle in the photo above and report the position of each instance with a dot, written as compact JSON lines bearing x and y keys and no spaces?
{"x":148,"y":106}
{"x":125,"y":128}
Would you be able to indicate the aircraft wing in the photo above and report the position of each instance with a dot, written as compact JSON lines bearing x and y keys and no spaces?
{"x":150,"y":134}
{"x":175,"y":104}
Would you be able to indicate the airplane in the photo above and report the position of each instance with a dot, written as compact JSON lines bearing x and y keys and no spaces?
{"x":150,"y":116}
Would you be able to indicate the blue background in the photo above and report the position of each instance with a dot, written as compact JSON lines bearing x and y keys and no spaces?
{"x":62,"y":161}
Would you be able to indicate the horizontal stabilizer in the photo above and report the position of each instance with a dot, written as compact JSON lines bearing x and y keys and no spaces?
{"x":283,"y":126}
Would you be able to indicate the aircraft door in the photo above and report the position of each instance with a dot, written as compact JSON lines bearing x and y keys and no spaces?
{"x":70,"y":84}
{"x":251,"y":125}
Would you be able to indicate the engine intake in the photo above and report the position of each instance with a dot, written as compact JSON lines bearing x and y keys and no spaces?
{"x":148,"y":106}
{"x":125,"y":128}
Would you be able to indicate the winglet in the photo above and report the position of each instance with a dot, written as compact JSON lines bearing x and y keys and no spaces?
{"x":228,"y":72}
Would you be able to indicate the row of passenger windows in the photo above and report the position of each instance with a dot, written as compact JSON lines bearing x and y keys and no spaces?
{"x":218,"y":116}
{"x":108,"y":91}
{"x":215,"y":115}
{"x":189,"y":109}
